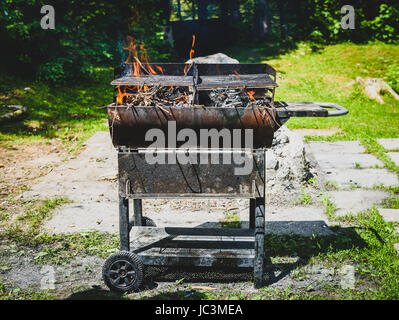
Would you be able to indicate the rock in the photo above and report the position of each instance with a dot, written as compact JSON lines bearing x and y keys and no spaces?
{"x":288,"y":164}
{"x":214,"y":58}
{"x":16,"y":112}
{"x":347,"y":273}
{"x":373,"y":86}
{"x":271,"y":160}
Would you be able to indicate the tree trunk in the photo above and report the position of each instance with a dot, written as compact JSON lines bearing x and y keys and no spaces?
{"x":179,"y":9}
{"x":262,"y":19}
{"x":283,"y":30}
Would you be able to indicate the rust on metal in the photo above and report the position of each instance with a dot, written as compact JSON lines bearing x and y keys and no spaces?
{"x":129,"y":125}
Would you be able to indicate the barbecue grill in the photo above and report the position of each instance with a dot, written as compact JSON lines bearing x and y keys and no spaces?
{"x":204,"y":106}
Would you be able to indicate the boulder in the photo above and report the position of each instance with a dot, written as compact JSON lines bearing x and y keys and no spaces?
{"x":372,"y":87}
{"x":214,"y":58}
{"x":288,"y":164}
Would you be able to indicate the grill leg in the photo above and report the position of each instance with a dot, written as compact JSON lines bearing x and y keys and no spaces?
{"x":124,"y":237}
{"x":252,"y":213}
{"x":259,"y":242}
{"x":138,"y":212}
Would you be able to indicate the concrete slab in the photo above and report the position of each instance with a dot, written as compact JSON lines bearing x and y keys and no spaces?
{"x":101,"y":216}
{"x":297,"y":220}
{"x":394,"y":157}
{"x":389,"y":215}
{"x":389,"y":144}
{"x":337,"y":147}
{"x":90,"y":177}
{"x":303,"y":132}
{"x":328,"y":161}
{"x":354,"y":201}
{"x":363,"y":177}
{"x":104,"y":217}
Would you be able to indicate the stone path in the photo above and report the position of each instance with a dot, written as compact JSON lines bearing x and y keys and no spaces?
{"x":354,"y":201}
{"x":389,"y":144}
{"x":394,"y":157}
{"x":90,"y":182}
{"x":346,"y":164}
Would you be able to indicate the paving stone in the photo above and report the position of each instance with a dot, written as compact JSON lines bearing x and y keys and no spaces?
{"x":354,"y":201}
{"x":389,"y":144}
{"x":101,"y":216}
{"x":389,"y":215}
{"x":338,"y":147}
{"x":302,"y":220}
{"x":396,"y":246}
{"x":363,"y":177}
{"x":328,"y":161}
{"x":394,"y":157}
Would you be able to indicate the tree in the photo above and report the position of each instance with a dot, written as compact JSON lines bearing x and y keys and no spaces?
{"x":262,"y":19}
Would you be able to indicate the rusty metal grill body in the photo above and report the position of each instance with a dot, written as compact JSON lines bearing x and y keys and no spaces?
{"x":139,"y":180}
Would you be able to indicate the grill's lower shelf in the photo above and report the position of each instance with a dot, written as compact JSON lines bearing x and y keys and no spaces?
{"x":197,"y":247}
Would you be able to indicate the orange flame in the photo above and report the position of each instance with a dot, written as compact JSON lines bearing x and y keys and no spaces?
{"x":237,"y":74}
{"x":144,"y":58}
{"x":159,"y":69}
{"x":133,"y":55}
{"x":191,"y":55}
{"x":139,"y":66}
{"x":120,"y":96}
{"x":251,"y":95}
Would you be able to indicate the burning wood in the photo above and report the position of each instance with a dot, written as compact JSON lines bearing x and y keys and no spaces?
{"x":154,"y":95}
{"x":223,"y":98}
{"x":184,"y":85}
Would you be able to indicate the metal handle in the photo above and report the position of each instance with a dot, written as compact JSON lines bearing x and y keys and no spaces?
{"x":338,"y":110}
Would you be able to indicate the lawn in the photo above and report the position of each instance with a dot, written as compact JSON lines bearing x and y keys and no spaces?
{"x":329,"y":75}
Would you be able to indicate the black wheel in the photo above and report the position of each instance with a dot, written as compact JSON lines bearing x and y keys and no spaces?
{"x":147,"y":222}
{"x":123,"y":272}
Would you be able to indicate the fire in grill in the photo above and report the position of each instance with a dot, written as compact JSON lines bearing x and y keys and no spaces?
{"x":194,"y":97}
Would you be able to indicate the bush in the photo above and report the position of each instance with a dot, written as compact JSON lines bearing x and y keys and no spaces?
{"x":87,"y":34}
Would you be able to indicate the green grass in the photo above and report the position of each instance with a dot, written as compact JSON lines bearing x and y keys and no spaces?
{"x":54,"y":248}
{"x":231,"y":220}
{"x":7,"y":293}
{"x":36,"y":214}
{"x":70,"y":112}
{"x":329,"y":76}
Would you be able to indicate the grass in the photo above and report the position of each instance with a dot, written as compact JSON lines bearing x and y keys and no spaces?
{"x":71,"y":112}
{"x":231,"y":220}
{"x":329,"y":75}
{"x":55,"y":248}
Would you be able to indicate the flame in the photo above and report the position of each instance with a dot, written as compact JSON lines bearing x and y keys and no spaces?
{"x":133,"y":55}
{"x":251,"y":95}
{"x":191,"y":56}
{"x":120,"y":96}
{"x":140,"y":65}
{"x":144,"y":58}
{"x":192,"y":47}
{"x":159,"y":69}
{"x":237,"y":75}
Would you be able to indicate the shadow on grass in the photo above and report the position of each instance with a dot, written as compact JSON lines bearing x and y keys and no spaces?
{"x":95,"y":294}
{"x":52,"y":108}
{"x":301,"y":247}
